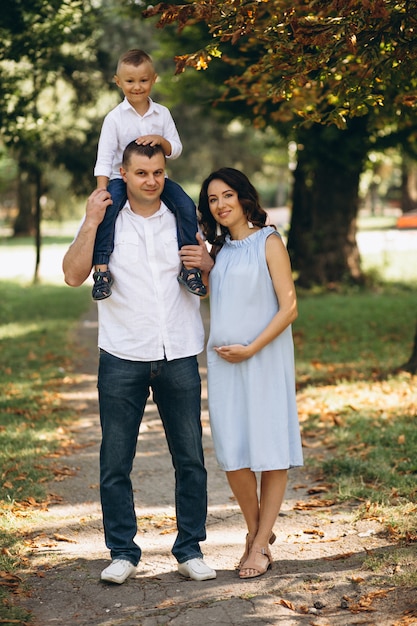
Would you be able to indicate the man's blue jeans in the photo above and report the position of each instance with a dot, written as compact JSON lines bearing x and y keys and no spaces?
{"x":124,"y":387}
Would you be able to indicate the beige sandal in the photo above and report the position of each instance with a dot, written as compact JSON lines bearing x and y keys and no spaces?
{"x":248,"y":547}
{"x":258,"y":562}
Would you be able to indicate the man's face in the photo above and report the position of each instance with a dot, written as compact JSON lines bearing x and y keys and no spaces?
{"x":145,"y":178}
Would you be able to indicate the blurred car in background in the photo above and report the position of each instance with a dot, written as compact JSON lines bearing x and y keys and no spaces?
{"x":407,"y":220}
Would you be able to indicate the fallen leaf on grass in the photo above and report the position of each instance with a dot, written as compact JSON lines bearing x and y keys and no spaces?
{"x":314,"y":444}
{"x":357,"y":579}
{"x":314,"y":531}
{"x":337,"y":557}
{"x":9,"y":580}
{"x":40,"y":541}
{"x":365,"y":602}
{"x":59,"y":537}
{"x":314,"y":503}
{"x":409,"y":618}
{"x":61,"y":473}
{"x":287,"y":604}
{"x":319,"y":489}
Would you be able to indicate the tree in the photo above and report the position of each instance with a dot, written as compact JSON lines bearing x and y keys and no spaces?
{"x":45,"y":75}
{"x":302,"y":67}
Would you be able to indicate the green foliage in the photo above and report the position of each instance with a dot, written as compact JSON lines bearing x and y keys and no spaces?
{"x":318,"y":61}
{"x":336,"y":79}
{"x":49,"y":79}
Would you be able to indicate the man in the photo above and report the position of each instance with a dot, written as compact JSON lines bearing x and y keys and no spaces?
{"x":150,"y":332}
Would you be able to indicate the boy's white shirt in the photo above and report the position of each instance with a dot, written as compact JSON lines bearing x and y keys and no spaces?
{"x":122,"y":125}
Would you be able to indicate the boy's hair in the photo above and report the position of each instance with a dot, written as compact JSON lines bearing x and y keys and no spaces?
{"x":134,"y":148}
{"x":134,"y":57}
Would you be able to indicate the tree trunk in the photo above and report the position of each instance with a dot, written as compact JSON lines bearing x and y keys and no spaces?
{"x":23,"y":224}
{"x":38,"y":220}
{"x":408,"y":185}
{"x":322,"y":238}
{"x":411,"y":365}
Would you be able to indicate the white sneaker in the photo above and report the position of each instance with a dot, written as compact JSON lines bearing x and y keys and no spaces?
{"x":118,"y":571}
{"x":196,"y":569}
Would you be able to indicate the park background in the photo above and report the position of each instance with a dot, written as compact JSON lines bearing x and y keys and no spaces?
{"x":316,"y":102}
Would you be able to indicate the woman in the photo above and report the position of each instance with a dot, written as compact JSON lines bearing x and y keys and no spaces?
{"x":250,"y":357}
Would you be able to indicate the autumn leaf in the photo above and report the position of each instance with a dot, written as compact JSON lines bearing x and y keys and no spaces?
{"x":59,"y":537}
{"x":9,"y":580}
{"x":357,"y":579}
{"x":338,"y":557}
{"x":287,"y":604}
{"x":319,"y":489}
{"x":313,"y":504}
{"x":314,"y":531}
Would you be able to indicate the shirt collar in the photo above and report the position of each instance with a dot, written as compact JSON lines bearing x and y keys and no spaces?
{"x":162,"y":209}
{"x":152,"y":108}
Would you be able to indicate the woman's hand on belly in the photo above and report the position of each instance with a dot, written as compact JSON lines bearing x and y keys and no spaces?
{"x":235,"y":353}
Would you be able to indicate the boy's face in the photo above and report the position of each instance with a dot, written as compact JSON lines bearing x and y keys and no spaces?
{"x":136,"y":82}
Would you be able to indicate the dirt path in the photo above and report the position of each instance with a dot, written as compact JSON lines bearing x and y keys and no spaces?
{"x":321,"y":574}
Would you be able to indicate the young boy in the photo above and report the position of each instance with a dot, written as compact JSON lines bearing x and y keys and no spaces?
{"x":139,"y":118}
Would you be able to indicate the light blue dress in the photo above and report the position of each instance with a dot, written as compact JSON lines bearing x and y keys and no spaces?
{"x":252,"y":405}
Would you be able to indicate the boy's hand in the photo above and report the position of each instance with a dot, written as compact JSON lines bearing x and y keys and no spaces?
{"x":149,"y":140}
{"x":155,"y":140}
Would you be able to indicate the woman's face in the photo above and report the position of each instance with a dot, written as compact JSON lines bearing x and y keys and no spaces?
{"x":224,"y":204}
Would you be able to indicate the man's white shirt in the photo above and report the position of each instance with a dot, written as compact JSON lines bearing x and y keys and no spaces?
{"x":149,"y":316}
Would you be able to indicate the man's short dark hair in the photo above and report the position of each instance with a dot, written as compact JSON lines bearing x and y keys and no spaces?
{"x":134,"y":148}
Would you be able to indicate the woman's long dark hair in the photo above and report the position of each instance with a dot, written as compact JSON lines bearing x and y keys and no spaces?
{"x":248,"y":198}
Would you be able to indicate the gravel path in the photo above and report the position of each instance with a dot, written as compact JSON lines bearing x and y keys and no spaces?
{"x":320,"y":577}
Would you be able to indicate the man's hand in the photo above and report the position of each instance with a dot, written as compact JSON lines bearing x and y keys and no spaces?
{"x":78,"y":259}
{"x":97,"y":204}
{"x":197,"y":256}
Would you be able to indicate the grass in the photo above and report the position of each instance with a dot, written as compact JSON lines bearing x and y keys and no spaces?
{"x":353,"y":401}
{"x":354,"y":398}
{"x":358,"y":334}
{"x":35,"y":354}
